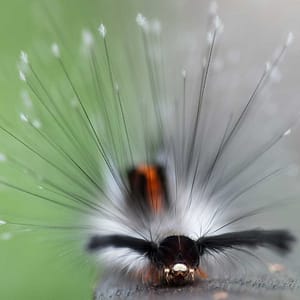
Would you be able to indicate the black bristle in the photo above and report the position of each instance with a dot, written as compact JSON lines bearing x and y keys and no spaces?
{"x":279,"y":240}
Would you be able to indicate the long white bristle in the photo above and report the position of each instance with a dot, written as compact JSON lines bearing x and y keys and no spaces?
{"x":268,"y":66}
{"x":102,"y":30}
{"x":288,"y":132}
{"x":217,"y":22}
{"x":22,"y":75}
{"x":210,"y":37}
{"x":24,"y":57}
{"x":290,"y":38}
{"x":141,"y":20}
{"x":23,"y":117}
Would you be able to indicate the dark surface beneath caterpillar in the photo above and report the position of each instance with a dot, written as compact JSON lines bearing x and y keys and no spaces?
{"x":273,"y":287}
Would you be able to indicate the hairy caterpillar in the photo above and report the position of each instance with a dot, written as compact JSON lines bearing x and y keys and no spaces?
{"x":163,"y":166}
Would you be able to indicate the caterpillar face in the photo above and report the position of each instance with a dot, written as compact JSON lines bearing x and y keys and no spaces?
{"x":177,"y":259}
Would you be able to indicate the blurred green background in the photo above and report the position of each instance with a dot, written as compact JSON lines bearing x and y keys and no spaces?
{"x":30,"y":268}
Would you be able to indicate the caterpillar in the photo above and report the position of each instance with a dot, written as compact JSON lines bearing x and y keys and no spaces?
{"x":165,"y":221}
{"x":162,"y":182}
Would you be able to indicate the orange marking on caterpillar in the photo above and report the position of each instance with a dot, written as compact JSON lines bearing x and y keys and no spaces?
{"x":155,"y":191}
{"x":201,"y":274}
